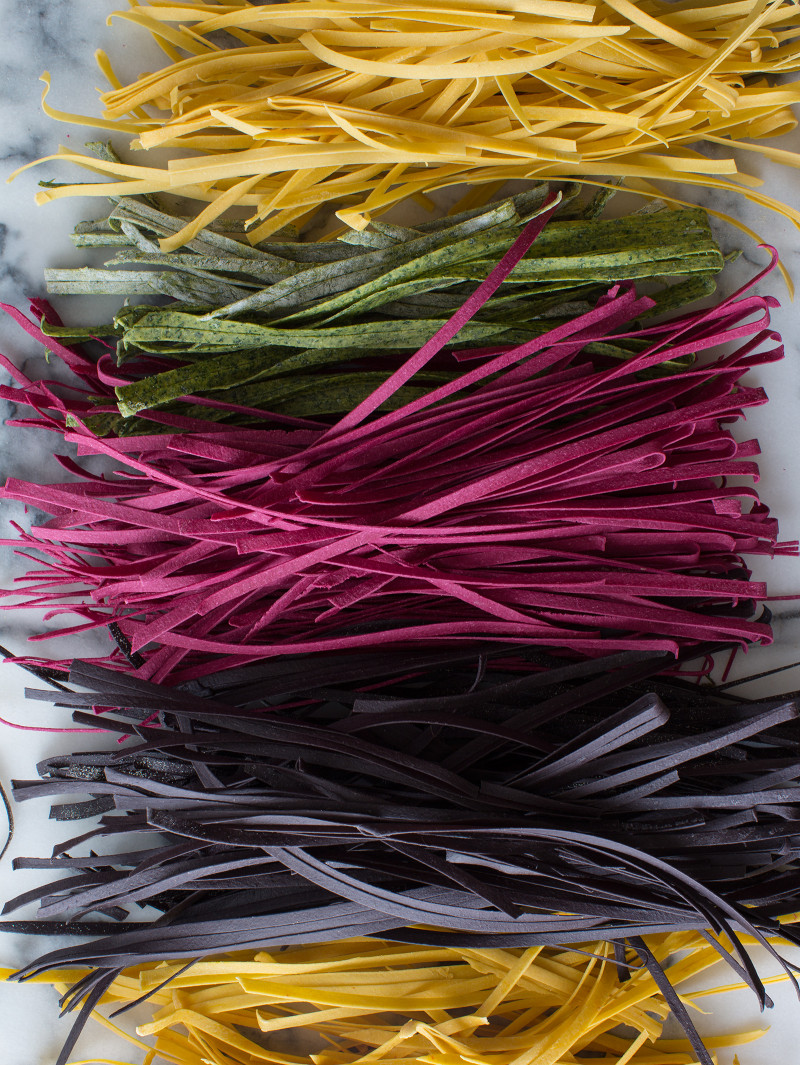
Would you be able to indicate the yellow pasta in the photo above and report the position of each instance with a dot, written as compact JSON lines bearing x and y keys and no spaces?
{"x":424,"y":94}
{"x":363,"y":1001}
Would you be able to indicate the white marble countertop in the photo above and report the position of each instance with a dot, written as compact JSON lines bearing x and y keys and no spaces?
{"x":61,"y":36}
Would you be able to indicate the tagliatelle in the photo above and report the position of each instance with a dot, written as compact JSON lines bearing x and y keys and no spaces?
{"x":410,"y":1005}
{"x":422,"y":94}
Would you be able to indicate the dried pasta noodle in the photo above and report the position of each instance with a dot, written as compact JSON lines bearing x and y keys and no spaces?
{"x":362,"y":1000}
{"x":367,"y":103}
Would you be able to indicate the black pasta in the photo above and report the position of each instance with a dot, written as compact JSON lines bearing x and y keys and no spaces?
{"x":425,"y":800}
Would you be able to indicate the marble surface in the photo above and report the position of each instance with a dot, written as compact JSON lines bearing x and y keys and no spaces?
{"x":61,"y":36}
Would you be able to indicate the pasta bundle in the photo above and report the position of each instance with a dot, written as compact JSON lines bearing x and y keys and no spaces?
{"x":362,"y":1000}
{"x":286,"y":107}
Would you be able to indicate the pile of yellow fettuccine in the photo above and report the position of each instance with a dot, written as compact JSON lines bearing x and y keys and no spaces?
{"x":290,"y":106}
{"x":363,"y":1001}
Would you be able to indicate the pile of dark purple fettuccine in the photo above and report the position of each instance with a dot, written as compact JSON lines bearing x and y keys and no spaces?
{"x":443,"y":800}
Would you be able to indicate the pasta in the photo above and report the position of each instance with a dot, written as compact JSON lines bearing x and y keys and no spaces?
{"x":367,"y":103}
{"x":342,"y":1000}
